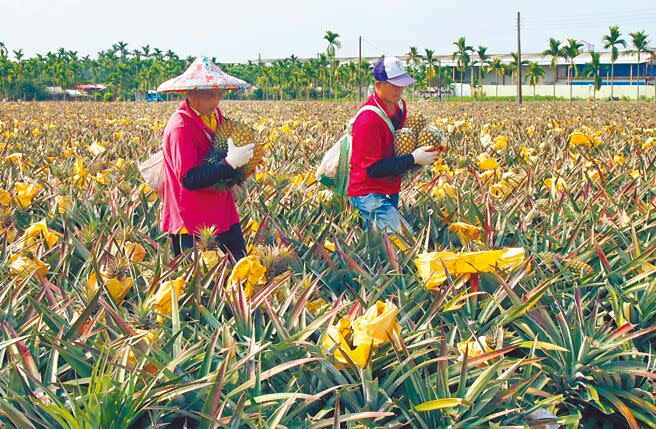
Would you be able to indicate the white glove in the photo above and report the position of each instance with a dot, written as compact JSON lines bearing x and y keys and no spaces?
{"x":239,"y":156}
{"x":423,"y":156}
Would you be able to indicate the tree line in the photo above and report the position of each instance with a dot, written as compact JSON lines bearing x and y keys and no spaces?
{"x":127,"y":72}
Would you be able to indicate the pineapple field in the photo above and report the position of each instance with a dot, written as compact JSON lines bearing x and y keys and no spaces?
{"x":526,"y":297}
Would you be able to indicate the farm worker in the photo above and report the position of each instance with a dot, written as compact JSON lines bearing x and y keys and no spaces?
{"x":189,"y":200}
{"x":375,"y":178}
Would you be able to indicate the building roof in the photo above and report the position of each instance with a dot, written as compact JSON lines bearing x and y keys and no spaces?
{"x":92,"y":86}
{"x":54,"y":90}
{"x":76,"y":93}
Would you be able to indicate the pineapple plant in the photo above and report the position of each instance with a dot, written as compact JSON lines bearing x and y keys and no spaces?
{"x":277,"y":261}
{"x":241,"y":135}
{"x":405,"y":142}
{"x":600,"y":228}
{"x":143,"y":321}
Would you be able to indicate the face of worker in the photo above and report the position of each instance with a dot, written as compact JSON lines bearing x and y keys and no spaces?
{"x":388,"y":92}
{"x":206,"y":100}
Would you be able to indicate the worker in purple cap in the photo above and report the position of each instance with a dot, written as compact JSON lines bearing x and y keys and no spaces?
{"x":375,"y":177}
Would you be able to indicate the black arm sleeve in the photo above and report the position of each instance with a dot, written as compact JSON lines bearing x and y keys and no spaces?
{"x":395,"y":166}
{"x":207,"y":175}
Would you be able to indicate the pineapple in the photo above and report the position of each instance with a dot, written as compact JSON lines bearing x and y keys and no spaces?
{"x":551,"y":259}
{"x":405,"y":141}
{"x":142,"y":316}
{"x":580,"y":267}
{"x":242,"y":135}
{"x":144,"y":321}
{"x":116,"y":276}
{"x":416,"y":122}
{"x":206,"y":239}
{"x":537,"y":217}
{"x":494,"y":337}
{"x":431,"y":136}
{"x":118,"y":268}
{"x":89,"y":233}
{"x":276,"y":259}
{"x":7,"y":230}
{"x":543,"y":204}
{"x":207,"y":245}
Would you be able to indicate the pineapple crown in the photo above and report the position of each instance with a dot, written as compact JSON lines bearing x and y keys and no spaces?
{"x":118,"y":267}
{"x":207,"y":238}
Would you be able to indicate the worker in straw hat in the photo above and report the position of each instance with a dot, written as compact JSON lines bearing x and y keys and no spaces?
{"x":189,"y":200}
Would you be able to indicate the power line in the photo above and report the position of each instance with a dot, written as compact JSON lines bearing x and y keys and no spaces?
{"x":380,"y":51}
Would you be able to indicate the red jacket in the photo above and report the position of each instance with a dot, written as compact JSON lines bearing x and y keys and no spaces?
{"x":185,"y":144}
{"x":373,"y":141}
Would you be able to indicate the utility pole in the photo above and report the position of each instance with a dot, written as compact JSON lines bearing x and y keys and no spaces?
{"x":519,"y":61}
{"x":360,"y":68}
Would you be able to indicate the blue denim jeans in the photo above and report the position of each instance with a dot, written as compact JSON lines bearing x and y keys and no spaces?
{"x":382,"y":210}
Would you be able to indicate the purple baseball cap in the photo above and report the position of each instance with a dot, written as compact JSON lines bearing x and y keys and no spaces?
{"x":390,"y":69}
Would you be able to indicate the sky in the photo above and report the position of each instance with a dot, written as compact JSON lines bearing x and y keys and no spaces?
{"x":237,"y":31}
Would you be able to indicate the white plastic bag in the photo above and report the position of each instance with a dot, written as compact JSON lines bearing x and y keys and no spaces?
{"x":152,"y":171}
{"x":330,"y":161}
{"x":330,"y":164}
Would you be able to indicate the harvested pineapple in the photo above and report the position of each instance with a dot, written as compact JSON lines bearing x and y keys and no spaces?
{"x":405,"y":141}
{"x":416,"y":122}
{"x":431,"y":136}
{"x":241,"y":135}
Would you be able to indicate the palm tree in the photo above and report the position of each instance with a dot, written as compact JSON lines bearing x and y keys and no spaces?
{"x":18,"y":69}
{"x":592,"y":70}
{"x":639,"y":40}
{"x":322,"y":64}
{"x":499,"y":69}
{"x":462,"y":57}
{"x":513,"y":66}
{"x":612,"y":41}
{"x":414,"y":57}
{"x":122,"y":48}
{"x":483,"y":61}
{"x":533,"y":73}
{"x":5,"y":65}
{"x":430,"y":66}
{"x":331,"y":50}
{"x":570,"y":52}
{"x":554,"y":52}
